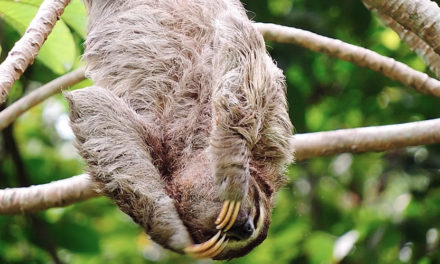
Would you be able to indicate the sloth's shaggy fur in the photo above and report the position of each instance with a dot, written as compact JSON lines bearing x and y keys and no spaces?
{"x":187,"y":110}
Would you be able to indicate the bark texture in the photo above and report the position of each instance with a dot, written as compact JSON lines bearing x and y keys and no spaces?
{"x":419,"y":16}
{"x":40,"y":197}
{"x":414,"y":42}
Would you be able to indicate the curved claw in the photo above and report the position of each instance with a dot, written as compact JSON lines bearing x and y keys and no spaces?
{"x":231,"y":215}
{"x":234,"y":216}
{"x":208,"y":249}
{"x":214,"y":250}
{"x":203,"y":246}
{"x":223,"y":212}
{"x":228,"y":214}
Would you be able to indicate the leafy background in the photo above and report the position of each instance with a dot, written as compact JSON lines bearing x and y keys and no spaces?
{"x":368,"y":208}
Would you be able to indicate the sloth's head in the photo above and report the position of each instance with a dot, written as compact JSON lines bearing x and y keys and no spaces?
{"x":198,"y":203}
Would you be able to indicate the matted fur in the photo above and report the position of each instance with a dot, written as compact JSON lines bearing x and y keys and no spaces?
{"x":187,"y":110}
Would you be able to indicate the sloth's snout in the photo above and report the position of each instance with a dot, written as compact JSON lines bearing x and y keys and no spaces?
{"x":243,"y":231}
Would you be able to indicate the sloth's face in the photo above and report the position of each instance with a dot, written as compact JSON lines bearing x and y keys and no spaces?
{"x":199,"y":205}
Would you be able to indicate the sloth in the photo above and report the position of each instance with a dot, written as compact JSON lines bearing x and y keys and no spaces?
{"x":186,"y":126}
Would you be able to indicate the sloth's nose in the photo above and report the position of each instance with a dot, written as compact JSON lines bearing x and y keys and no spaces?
{"x":243,"y":231}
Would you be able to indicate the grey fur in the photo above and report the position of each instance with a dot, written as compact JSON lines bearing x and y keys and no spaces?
{"x":187,"y":110}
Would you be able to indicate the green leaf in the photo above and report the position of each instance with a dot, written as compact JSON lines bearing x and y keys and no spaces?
{"x":36,"y":3}
{"x":58,"y":52}
{"x":17,"y":15}
{"x":75,"y":16}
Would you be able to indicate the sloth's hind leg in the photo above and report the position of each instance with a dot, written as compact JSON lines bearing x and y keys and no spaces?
{"x":113,"y":140}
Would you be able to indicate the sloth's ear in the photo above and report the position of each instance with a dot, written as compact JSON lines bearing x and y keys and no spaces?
{"x":113,"y":140}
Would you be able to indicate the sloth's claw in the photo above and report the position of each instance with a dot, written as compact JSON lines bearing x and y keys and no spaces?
{"x":230,"y":216}
{"x":222,"y":214}
{"x":220,"y":249}
{"x":225,"y":220}
{"x":203,"y":246}
{"x":208,"y":249}
{"x":234,"y":216}
{"x":214,"y":250}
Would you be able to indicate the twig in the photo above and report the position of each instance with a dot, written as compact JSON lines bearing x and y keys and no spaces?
{"x":358,"y":55}
{"x":419,"y":16}
{"x":26,"y":49}
{"x":8,"y":115}
{"x":79,"y":188}
{"x":414,"y":42}
{"x":44,"y":196}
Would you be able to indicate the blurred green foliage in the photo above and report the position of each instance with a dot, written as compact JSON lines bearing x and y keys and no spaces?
{"x":368,"y":208}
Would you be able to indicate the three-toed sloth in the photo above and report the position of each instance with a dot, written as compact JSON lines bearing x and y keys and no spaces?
{"x":186,"y":127}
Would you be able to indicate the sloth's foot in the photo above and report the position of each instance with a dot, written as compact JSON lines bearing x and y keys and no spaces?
{"x":208,"y":249}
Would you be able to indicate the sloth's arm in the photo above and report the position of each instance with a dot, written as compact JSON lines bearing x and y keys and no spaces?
{"x":239,"y":103}
{"x":116,"y":145}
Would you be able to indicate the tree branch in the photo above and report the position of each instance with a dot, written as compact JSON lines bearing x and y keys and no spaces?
{"x":8,"y":115}
{"x":40,"y":197}
{"x":415,"y":43}
{"x":26,"y":49}
{"x":419,"y":16}
{"x":376,"y":138}
{"x":380,"y":138}
{"x":358,"y":55}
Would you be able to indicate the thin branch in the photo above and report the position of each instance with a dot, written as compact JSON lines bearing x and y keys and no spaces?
{"x":419,"y":16}
{"x":8,"y":115}
{"x":26,"y":49}
{"x":381,"y":138}
{"x":358,"y":55}
{"x":40,"y":197}
{"x":376,"y":138}
{"x":414,"y":42}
